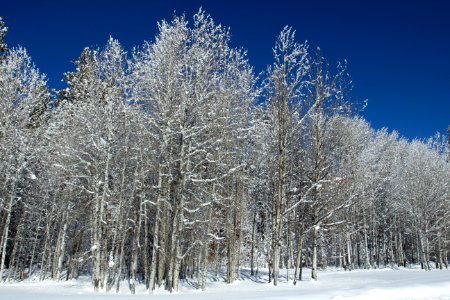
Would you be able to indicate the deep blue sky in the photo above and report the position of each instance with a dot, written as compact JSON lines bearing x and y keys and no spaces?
{"x":398,"y":51}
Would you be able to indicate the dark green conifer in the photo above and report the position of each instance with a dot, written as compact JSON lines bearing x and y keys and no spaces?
{"x":3,"y":32}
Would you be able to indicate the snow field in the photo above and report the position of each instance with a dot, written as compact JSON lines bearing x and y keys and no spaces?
{"x":337,"y":285}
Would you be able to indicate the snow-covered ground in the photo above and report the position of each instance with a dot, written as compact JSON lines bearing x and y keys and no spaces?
{"x":381,"y":284}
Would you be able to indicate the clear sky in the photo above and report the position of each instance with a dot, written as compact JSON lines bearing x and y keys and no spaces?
{"x":398,"y":51}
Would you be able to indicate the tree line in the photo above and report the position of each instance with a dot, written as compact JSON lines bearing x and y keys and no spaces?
{"x":176,"y":161}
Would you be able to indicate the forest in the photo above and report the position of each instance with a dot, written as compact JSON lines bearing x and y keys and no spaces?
{"x":176,"y":161}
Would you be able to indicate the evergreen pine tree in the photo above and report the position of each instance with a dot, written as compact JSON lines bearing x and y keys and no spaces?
{"x":448,"y":137}
{"x":3,"y":31}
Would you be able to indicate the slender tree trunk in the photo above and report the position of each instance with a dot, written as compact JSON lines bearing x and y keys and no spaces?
{"x":366,"y":245}
{"x":136,"y":249}
{"x":349,"y":253}
{"x":174,"y":251}
{"x":146,"y":273}
{"x":423,"y":260}
{"x":314,"y":254}
{"x":440,"y":251}
{"x":178,"y":252}
{"x":252,"y":251}
{"x":230,"y":244}
{"x":96,"y":239}
{"x":12,"y":200}
{"x":121,"y":259}
{"x":427,"y":252}
{"x":163,"y":250}
{"x":155,"y":247}
{"x":401,"y":254}
{"x":47,"y":242}
{"x":276,"y":232}
{"x":446,"y":258}
{"x":5,"y":236}
{"x":298,"y":260}
{"x":12,"y":266}
{"x":206,"y":244}
{"x":238,"y":226}
{"x":62,"y":247}
{"x":33,"y":252}
{"x":218,"y":258}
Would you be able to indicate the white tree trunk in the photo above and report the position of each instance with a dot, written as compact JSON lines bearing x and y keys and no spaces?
{"x":314,"y":254}
{"x":5,"y":236}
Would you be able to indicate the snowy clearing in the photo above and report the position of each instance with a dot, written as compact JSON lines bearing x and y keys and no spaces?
{"x":359,"y":284}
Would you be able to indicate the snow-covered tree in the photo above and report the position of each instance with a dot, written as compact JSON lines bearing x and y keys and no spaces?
{"x":176,"y":162}
{"x":285,"y":85}
{"x":23,"y":98}
{"x":3,"y":32}
{"x":197,"y":91}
